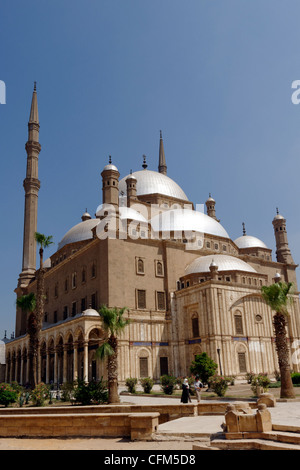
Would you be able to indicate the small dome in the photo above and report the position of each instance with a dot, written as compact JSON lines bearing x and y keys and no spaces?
{"x":90,"y":312}
{"x":247,"y":241}
{"x":110,"y":166}
{"x":224,"y":263}
{"x":152,"y":182}
{"x":187,"y":220}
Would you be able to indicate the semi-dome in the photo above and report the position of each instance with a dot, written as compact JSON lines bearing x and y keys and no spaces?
{"x":224,"y":263}
{"x":187,"y":220}
{"x":81,"y":231}
{"x":152,"y":182}
{"x":247,"y":241}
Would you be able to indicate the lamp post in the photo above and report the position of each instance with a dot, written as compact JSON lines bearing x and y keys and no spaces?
{"x":219,"y":351}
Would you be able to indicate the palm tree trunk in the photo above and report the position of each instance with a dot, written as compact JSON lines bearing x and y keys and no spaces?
{"x":32,"y":353}
{"x":112,"y":372}
{"x":287,"y":390}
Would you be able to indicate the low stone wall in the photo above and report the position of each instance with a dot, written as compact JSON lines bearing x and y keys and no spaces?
{"x":166,"y":412}
{"x":136,"y":426}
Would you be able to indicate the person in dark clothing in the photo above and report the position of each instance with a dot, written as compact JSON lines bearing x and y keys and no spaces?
{"x":185,"y":396}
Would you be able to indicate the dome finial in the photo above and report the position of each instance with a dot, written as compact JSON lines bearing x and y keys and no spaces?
{"x":244,"y":230}
{"x":277,"y":211}
{"x":144,"y":162}
{"x":109,"y":160}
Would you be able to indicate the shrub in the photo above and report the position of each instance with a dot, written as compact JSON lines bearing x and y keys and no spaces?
{"x":91,"y":392}
{"x":131,"y":384}
{"x":204,"y":367}
{"x":67,"y":390}
{"x":7,"y":394}
{"x":40,"y":394}
{"x":219,"y":385}
{"x":295,"y":378}
{"x":147,"y":384}
{"x":168,"y":383}
{"x":260,"y":380}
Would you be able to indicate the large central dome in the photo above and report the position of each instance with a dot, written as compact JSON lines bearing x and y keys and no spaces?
{"x":152,"y":182}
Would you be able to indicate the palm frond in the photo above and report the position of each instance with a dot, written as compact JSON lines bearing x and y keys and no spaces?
{"x":27,"y":302}
{"x":278,"y":296}
{"x":105,"y":350}
{"x":113,"y":320}
{"x":43,"y":240}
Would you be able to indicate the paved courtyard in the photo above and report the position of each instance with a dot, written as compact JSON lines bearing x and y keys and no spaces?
{"x":282,"y":413}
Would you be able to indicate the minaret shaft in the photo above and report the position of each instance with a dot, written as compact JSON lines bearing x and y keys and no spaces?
{"x":162,"y":166}
{"x":31,"y":186}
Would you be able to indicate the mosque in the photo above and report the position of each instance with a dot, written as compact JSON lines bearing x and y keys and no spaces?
{"x":188,"y":287}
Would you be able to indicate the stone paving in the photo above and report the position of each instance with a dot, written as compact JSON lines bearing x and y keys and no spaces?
{"x":283,"y":413}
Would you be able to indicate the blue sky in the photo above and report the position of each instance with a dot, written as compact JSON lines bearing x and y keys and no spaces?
{"x":214,"y":76}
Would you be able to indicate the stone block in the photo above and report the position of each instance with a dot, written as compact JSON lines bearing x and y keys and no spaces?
{"x":268,"y":399}
{"x":263,"y":419}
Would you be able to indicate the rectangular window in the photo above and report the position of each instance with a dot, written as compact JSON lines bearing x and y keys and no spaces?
{"x":94,"y":301}
{"x":83,"y":304}
{"x":141,"y":298}
{"x":164,"y":369}
{"x":195,"y":327}
{"x":74,"y":308}
{"x":161,"y":301}
{"x":242,"y":362}
{"x":238,"y":324}
{"x":55,"y":317}
{"x":66,"y":312}
{"x":144,"y":367}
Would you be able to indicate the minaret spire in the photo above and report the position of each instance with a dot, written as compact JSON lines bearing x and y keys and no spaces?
{"x":31,"y":186}
{"x":162,"y":167}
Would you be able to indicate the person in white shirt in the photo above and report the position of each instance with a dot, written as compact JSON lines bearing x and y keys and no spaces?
{"x":198,"y":385}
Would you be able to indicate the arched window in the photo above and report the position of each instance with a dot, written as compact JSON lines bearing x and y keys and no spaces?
{"x":140,"y":266}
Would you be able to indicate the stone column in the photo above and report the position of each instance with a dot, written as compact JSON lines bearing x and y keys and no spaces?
{"x":86,"y":362}
{"x":55,"y":366}
{"x":47,"y":365}
{"x":75,"y":362}
{"x":65,"y":353}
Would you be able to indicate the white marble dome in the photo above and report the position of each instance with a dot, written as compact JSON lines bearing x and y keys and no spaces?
{"x":248,"y":241}
{"x":187,"y":220}
{"x":152,"y":182}
{"x":223,"y":262}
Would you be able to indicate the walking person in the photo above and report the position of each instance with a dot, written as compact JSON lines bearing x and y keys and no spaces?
{"x":198,"y":385}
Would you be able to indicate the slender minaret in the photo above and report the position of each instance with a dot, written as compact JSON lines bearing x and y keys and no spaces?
{"x":162,"y":166}
{"x":283,"y":252}
{"x":31,"y":186}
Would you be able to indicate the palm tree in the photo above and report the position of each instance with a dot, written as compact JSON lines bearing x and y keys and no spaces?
{"x":34,"y":305}
{"x":28,"y":305}
{"x":44,"y":242}
{"x":277,"y":296}
{"x":113,"y":324}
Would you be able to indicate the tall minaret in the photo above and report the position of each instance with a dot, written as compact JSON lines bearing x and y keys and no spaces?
{"x":162,"y":166}
{"x":283,"y":252}
{"x":31,"y":186}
